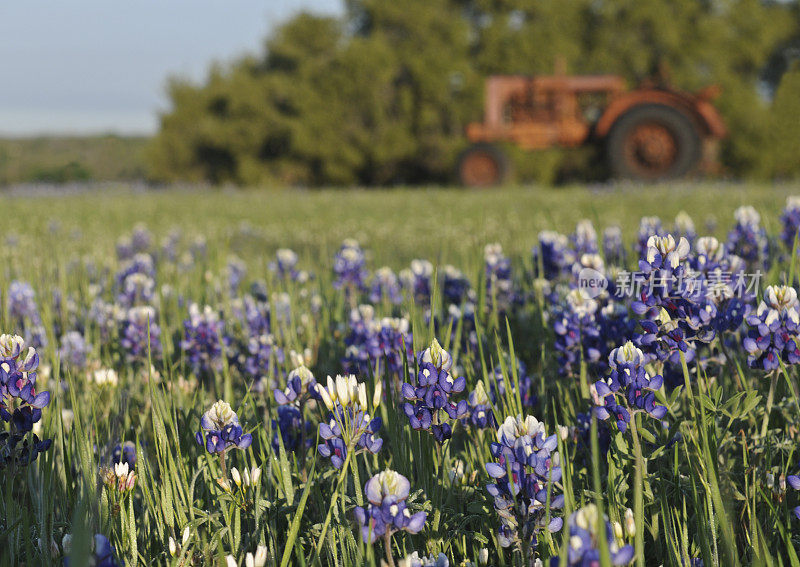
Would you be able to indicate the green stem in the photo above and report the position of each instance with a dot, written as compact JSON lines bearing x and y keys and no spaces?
{"x":770,"y":397}
{"x":342,"y":474}
{"x":638,"y":493}
{"x":222,"y":465}
{"x":387,"y":541}
{"x":357,"y":482}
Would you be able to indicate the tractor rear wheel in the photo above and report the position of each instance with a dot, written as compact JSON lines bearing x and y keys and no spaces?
{"x":482,"y":165}
{"x":653,"y":142}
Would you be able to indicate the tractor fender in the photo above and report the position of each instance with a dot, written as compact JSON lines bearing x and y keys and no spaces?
{"x":700,"y":111}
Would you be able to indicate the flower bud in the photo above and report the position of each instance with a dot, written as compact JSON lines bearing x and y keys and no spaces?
{"x":237,"y":478}
{"x":256,"y":475}
{"x":378,"y":394}
{"x":173,"y":547}
{"x":261,"y":556}
{"x":186,"y":535}
{"x":630,"y":523}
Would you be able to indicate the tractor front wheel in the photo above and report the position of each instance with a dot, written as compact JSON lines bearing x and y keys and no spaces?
{"x":653,"y":142}
{"x":482,"y":165}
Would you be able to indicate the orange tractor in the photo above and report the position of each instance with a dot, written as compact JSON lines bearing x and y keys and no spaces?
{"x":651,"y":133}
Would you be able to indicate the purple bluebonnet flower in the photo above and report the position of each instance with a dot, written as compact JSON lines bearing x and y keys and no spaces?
{"x":684,"y":227}
{"x":671,"y":302}
{"x":349,"y":267}
{"x":139,"y":325}
{"x":455,"y":285}
{"x":385,"y":286}
{"x":499,"y":287}
{"x":285,"y":264}
{"x":772,"y":336}
{"x":628,"y":388}
{"x":525,"y":471}
{"x":236,"y":270}
{"x":428,"y":397}
{"x":138,"y":264}
{"x":73,"y":350}
{"x":376,"y":345}
{"x":221,"y":430}
{"x":289,"y":426}
{"x":141,"y":238}
{"x":349,"y":426}
{"x":497,"y":389}
{"x":790,"y":220}
{"x":418,"y":281}
{"x":124,"y":453}
{"x":553,"y":256}
{"x":103,"y":553}
{"x":794,"y":481}
{"x":300,"y":386}
{"x":20,"y":404}
{"x":202,"y":333}
{"x":584,"y":239}
{"x":481,"y":415}
{"x":613,"y":246}
{"x":387,"y":512}
{"x":648,"y":227}
{"x":583,"y":548}
{"x":263,"y":358}
{"x":576,"y":330}
{"x":748,"y":239}
{"x":23,"y":312}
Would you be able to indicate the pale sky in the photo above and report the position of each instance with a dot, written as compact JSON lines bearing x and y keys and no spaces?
{"x":97,"y":66}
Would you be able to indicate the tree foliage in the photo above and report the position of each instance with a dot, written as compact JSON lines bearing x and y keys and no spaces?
{"x":382,"y":95}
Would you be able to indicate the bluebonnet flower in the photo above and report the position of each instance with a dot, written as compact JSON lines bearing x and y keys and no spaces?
{"x":73,"y":350}
{"x":387,"y":512}
{"x":455,"y":285}
{"x":428,"y":397}
{"x":141,"y":238}
{"x":262,"y":358}
{"x":582,"y":431}
{"x":169,"y":245}
{"x":20,"y":404}
{"x":136,"y":289}
{"x":202,"y":339}
{"x":577,"y":333}
{"x":300,"y":386}
{"x":684,"y":227}
{"x":630,"y":384}
{"x":349,"y":426}
{"x":673,"y":314}
{"x":794,"y":482}
{"x":773,"y":332}
{"x":138,"y":264}
{"x":583,"y":548}
{"x":285,"y":264}
{"x":499,"y":287}
{"x":385,"y":286}
{"x":418,"y":281}
{"x":613,"y":246}
{"x":139,"y":326}
{"x":236,"y":270}
{"x":748,"y":239}
{"x":790,"y":220}
{"x":525,"y":472}
{"x":584,"y":239}
{"x":415,"y":560}
{"x":221,"y":430}
{"x":376,"y":345}
{"x":553,"y":256}
{"x":648,"y":227}
{"x":23,"y":312}
{"x":349,"y":267}
{"x":481,"y":415}
{"x":290,"y":425}
{"x":103,"y":553}
{"x":124,"y":453}
{"x":497,"y":389}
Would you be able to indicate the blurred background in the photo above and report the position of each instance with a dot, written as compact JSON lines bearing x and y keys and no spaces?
{"x":376,"y":92}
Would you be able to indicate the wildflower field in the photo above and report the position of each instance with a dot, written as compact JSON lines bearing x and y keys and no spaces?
{"x":435,"y":377}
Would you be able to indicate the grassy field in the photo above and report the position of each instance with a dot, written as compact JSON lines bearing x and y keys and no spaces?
{"x":66,"y":159}
{"x":103,"y":284}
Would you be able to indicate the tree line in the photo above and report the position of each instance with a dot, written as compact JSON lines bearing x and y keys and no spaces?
{"x":382,"y":94}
